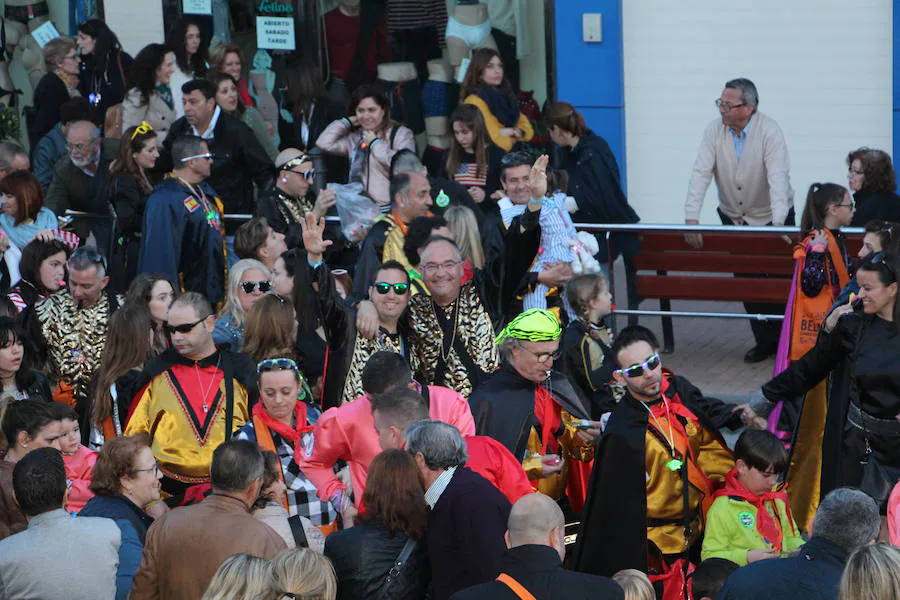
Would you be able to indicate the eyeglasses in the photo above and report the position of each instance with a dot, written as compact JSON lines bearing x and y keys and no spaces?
{"x":725,"y":106}
{"x":851,"y":204}
{"x":309,"y":174}
{"x":851,"y":171}
{"x":83,"y":147}
{"x":183,"y":328}
{"x":264,"y":286}
{"x":541,"y":356}
{"x":637,"y":370}
{"x":432,"y":268}
{"x":89,"y":254}
{"x":153,"y":469}
{"x":208,"y":156}
{"x":277,"y":364}
{"x":143,"y":129}
{"x":383,"y":288}
{"x":71,"y":56}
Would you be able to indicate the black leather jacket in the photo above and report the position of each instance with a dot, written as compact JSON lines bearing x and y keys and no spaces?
{"x":362,"y":557}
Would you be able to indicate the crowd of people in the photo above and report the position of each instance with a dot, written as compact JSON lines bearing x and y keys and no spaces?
{"x":305,"y":365}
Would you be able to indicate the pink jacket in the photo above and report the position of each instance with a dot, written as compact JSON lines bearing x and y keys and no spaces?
{"x":893,"y":516}
{"x":348,"y":432}
{"x":340,"y":139}
{"x":80,"y":472}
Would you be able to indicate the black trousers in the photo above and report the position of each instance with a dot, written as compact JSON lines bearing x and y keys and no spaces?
{"x":765,"y":333}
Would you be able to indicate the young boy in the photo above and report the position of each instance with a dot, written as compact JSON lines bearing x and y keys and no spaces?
{"x":79,"y":459}
{"x":748,"y":521}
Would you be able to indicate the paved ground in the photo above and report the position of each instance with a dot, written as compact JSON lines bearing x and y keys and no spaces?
{"x":709,"y":352}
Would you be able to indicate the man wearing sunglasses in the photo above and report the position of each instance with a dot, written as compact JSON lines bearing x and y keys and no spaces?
{"x":73,"y":324}
{"x":192,"y":398}
{"x":535,"y":412}
{"x":183,"y":233}
{"x":657,"y":465}
{"x":292,"y":196}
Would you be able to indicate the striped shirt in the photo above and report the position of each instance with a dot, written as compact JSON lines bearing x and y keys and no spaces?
{"x":434,"y":491}
{"x":416,"y":14}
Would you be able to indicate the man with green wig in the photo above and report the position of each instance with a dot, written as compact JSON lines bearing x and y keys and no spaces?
{"x":535,"y":411}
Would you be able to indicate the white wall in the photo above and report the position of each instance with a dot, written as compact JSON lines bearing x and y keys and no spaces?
{"x":822,"y":68}
{"x":136,"y":23}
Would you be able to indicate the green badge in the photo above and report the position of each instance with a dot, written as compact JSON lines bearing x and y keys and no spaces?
{"x":746,"y":519}
{"x":442,"y":199}
{"x":674,"y":464}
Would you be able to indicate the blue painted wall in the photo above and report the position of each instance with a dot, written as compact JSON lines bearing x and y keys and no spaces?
{"x":896,"y":75}
{"x":589,"y":76}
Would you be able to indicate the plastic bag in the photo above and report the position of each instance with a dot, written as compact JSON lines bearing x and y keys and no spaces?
{"x":356,"y":210}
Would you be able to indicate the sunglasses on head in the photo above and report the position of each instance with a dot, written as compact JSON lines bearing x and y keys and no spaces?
{"x":264,"y":286}
{"x":91,"y":255}
{"x":879,"y":259}
{"x":207,"y":155}
{"x":638,"y":370}
{"x":277,"y":364}
{"x":183,"y":328}
{"x":383,"y":288}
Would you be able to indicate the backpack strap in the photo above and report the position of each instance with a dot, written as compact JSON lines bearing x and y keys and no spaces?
{"x":393,"y":135}
{"x":517,"y":588}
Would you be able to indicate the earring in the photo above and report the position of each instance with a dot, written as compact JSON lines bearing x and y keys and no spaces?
{"x":284,"y":180}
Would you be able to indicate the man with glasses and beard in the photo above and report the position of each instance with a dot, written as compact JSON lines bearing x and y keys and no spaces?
{"x":183,"y":233}
{"x":656,"y":468}
{"x":192,"y":398}
{"x":73,"y":324}
{"x":535,"y":412}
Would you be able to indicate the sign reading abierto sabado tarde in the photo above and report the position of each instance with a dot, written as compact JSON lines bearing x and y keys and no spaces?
{"x":275,"y":25}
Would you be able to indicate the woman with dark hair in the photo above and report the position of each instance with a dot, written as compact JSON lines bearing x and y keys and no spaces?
{"x":283,"y":421}
{"x":873,"y":183}
{"x":150,"y":95}
{"x":472,"y":159}
{"x":24,"y":217}
{"x":487,"y":88}
{"x":42,"y":270}
{"x":396,"y":515}
{"x":860,"y":358}
{"x":155,"y":292}
{"x":187,"y":42}
{"x":229,"y":99}
{"x":26,"y":426}
{"x":370,"y":139}
{"x":306,"y":110}
{"x":127,"y":349}
{"x":18,"y":380}
{"x":125,"y":483}
{"x":103,"y":65}
{"x":129,"y":185}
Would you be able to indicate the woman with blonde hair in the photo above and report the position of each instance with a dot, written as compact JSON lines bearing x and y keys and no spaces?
{"x":240,"y":577}
{"x":248,"y":281}
{"x":635,"y":584}
{"x":872,"y":573}
{"x":301,"y":574}
{"x":464,"y":226}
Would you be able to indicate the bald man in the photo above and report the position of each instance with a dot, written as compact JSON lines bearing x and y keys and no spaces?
{"x":533,"y":563}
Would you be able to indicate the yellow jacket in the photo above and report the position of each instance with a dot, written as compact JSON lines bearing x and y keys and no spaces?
{"x":494,"y":126}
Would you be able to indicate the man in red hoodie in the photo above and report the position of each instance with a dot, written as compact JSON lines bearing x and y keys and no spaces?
{"x":397,"y":409}
{"x":347,"y":432}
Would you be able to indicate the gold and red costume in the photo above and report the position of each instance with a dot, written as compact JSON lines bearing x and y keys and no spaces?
{"x":184,"y":408}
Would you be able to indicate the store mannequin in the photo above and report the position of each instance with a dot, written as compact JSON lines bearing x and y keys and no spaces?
{"x":435,"y":97}
{"x":21,"y":17}
{"x":468,"y":28}
{"x":400,"y":81}
{"x":397,"y":72}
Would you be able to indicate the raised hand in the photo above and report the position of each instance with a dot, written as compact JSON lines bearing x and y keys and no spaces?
{"x":313,"y":237}
{"x":538,"y":179}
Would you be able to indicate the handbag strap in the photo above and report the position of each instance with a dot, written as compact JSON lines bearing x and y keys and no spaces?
{"x":517,"y":588}
{"x":297,"y":531}
{"x":398,"y":566}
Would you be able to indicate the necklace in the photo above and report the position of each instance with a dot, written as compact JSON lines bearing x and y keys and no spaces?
{"x":456,"y":311}
{"x":209,"y":387}
{"x":674,"y":464}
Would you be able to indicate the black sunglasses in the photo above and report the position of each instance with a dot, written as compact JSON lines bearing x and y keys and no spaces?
{"x":879,"y":259}
{"x":638,"y":370}
{"x":183,"y":328}
{"x":264,"y":286}
{"x":383,"y":288}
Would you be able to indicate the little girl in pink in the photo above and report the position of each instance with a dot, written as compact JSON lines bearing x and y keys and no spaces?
{"x":79,"y":459}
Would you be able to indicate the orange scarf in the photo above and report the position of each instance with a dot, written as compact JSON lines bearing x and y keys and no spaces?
{"x":767,"y":526}
{"x":264,"y":424}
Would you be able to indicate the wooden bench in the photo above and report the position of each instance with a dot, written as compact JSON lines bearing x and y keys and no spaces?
{"x":667,"y":269}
